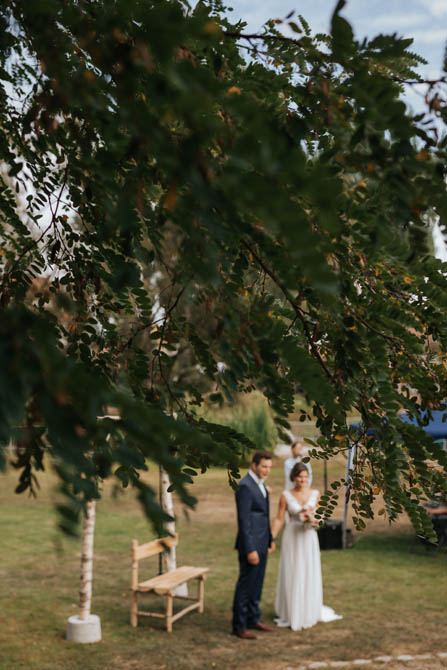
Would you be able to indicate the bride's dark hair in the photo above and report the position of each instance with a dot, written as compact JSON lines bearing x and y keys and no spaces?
{"x":296,"y":470}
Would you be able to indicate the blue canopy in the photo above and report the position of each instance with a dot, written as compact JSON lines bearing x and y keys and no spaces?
{"x":435,"y":427}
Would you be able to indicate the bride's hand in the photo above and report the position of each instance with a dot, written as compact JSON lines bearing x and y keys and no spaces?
{"x":253,"y":558}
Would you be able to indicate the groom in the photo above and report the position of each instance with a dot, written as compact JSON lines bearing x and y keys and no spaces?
{"x":254,"y":541}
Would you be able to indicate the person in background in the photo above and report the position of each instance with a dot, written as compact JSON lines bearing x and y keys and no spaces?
{"x":297,"y":448}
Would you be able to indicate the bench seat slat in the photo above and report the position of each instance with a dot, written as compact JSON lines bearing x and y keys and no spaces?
{"x":170,"y":580}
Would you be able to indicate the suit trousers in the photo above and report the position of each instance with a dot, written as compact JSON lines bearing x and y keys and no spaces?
{"x":247,"y":595}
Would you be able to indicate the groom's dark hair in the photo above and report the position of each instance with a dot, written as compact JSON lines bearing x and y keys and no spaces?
{"x":259,"y":455}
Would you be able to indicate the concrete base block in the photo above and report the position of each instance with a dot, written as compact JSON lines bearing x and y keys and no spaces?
{"x":88,"y":630}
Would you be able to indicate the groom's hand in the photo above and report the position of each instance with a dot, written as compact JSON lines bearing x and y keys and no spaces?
{"x":253,"y":558}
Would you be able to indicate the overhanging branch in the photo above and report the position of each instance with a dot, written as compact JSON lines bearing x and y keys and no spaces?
{"x":297,"y":309}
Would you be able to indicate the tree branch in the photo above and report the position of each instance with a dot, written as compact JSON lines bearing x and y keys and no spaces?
{"x":255,"y":36}
{"x":34,"y":243}
{"x":298,"y":311}
{"x":128,"y":343}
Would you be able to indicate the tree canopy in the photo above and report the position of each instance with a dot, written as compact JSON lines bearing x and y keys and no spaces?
{"x":189,"y":212}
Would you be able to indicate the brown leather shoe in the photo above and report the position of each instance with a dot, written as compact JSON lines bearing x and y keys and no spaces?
{"x":245,"y":634}
{"x":263,"y":627}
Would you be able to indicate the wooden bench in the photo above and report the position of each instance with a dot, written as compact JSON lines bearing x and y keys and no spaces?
{"x":164,"y":584}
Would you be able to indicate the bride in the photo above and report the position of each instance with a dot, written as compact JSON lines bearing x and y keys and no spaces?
{"x":299,"y":593}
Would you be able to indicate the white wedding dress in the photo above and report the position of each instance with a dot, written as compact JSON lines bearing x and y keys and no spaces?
{"x":299,"y":592}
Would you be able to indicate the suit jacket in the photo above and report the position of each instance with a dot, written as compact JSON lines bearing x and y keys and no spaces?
{"x":253,"y":518}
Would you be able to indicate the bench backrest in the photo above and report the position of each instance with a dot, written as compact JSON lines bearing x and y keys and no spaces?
{"x":148,"y":549}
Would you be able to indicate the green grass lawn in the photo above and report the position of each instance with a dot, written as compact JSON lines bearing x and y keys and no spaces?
{"x":393,"y":601}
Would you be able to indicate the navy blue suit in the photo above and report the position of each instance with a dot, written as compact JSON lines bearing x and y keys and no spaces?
{"x":254,"y":534}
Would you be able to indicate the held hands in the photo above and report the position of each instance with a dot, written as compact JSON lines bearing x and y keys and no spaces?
{"x":253,"y":558}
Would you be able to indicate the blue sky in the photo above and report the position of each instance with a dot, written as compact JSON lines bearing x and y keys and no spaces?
{"x":424,"y":20}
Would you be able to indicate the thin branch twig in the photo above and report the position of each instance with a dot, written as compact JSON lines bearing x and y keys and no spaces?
{"x":298,"y":311}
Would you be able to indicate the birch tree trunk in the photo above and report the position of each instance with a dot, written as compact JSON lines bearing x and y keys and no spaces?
{"x":88,"y":530}
{"x":169,"y":557}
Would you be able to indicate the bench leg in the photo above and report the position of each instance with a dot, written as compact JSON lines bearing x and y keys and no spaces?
{"x":201,"y":593}
{"x":133,"y":609}
{"x":169,"y":610}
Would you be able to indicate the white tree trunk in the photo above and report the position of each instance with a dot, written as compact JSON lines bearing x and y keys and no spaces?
{"x":88,"y":530}
{"x":169,"y":557}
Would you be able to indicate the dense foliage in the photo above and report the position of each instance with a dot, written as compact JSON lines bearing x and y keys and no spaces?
{"x":190,"y":212}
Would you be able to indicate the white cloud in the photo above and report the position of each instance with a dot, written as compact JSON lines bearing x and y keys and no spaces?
{"x":429,"y":36}
{"x":435,"y":7}
{"x":397,"y":22}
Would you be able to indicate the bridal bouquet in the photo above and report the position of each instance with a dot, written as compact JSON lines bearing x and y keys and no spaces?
{"x":307,"y":516}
